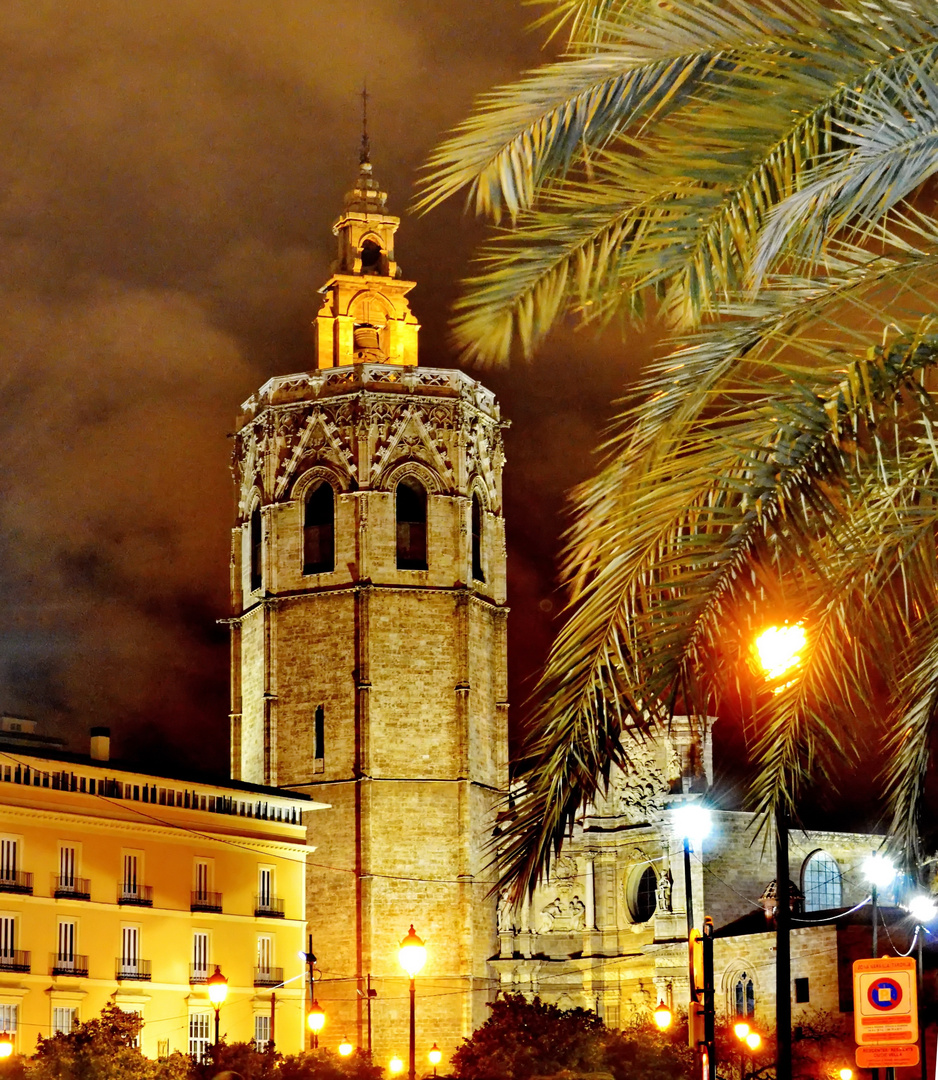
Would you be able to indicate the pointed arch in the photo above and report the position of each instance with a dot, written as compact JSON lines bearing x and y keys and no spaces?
{"x":477,"y":529}
{"x":256,"y":547}
{"x":319,"y":529}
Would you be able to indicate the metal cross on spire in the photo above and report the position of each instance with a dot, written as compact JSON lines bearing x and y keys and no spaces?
{"x":364,"y":156}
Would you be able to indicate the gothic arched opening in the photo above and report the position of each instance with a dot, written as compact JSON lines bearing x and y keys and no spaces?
{"x":477,"y":571}
{"x":257,"y":549}
{"x":319,"y":531}
{"x":371,"y":257}
{"x":411,"y":510}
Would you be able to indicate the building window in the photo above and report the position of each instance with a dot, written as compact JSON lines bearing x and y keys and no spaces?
{"x":821,"y":882}
{"x":257,"y":549}
{"x":129,"y":961}
{"x":137,"y":1039}
{"x":9,"y":861}
{"x":200,"y":955}
{"x":477,"y":572}
{"x":9,"y":1018}
{"x":200,"y":1037}
{"x":7,"y":937}
{"x":64,"y":1019}
{"x":319,"y":531}
{"x":319,"y":733}
{"x":261,"y":1030}
{"x":745,"y":995}
{"x":802,"y":992}
{"x":642,"y":895}
{"x":411,"y":510}
{"x":68,"y":866}
{"x":265,"y":952}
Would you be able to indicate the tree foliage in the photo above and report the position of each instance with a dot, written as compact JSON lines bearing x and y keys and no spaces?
{"x":524,"y":1039}
{"x":756,"y":172}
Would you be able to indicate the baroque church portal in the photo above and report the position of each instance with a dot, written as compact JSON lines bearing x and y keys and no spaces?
{"x":369,"y":643}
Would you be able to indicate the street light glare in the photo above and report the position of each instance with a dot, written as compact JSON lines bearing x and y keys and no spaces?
{"x":753,"y":1040}
{"x":692,"y":822}
{"x":345,"y":1047}
{"x":846,"y":1073}
{"x":779,"y":649}
{"x":923,"y":908}
{"x":395,"y":1066}
{"x":412,"y":954}
{"x":662,"y":1016}
{"x":879,"y":870}
{"x":741,"y":1030}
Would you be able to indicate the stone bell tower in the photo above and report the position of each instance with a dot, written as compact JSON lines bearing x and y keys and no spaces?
{"x":369,"y":643}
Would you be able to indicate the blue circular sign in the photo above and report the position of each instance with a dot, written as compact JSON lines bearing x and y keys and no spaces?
{"x":884,"y":994}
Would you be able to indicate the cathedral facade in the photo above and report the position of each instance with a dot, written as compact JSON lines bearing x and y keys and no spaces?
{"x":369,"y":644}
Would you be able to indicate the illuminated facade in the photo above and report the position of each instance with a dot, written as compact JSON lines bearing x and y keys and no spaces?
{"x":118,"y":886}
{"x":369,"y":643}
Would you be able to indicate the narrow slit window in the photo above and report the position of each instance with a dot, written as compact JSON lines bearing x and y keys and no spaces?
{"x":411,"y":526}
{"x":257,"y":549}
{"x":319,"y":531}
{"x":477,"y":571}
{"x":319,"y":733}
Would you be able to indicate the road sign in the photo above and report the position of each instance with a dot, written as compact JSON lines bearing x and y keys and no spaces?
{"x":885,"y":1002}
{"x":887,"y":1057}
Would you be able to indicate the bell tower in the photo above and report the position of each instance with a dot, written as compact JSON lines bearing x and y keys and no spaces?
{"x":369,"y":643}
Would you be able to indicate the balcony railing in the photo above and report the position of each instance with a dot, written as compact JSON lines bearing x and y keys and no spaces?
{"x":268,"y":976}
{"x":133,"y":970}
{"x":135,"y":895}
{"x":16,"y":881}
{"x":14,"y":960}
{"x":205,"y":901}
{"x":198,"y":973}
{"x":270,"y":906}
{"x":74,"y":965}
{"x":71,"y":888}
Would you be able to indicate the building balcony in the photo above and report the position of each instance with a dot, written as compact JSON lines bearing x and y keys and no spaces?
{"x":270,"y":907}
{"x":71,"y":888}
{"x":268,"y":976}
{"x":14,"y":960}
{"x":16,"y":881}
{"x":205,"y":901}
{"x":133,"y":970}
{"x":74,"y":965}
{"x":135,"y":895}
{"x":198,"y":974}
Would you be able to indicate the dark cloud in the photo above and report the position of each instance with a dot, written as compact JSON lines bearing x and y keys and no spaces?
{"x":169,"y":178}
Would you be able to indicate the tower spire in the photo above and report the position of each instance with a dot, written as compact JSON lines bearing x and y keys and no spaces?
{"x":364,"y":156}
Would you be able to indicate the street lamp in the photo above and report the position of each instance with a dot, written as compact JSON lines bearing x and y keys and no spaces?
{"x":662,"y":1016}
{"x":6,"y":1045}
{"x":750,"y":1039}
{"x":217,"y":992}
{"x":779,"y":650}
{"x":435,"y":1056}
{"x":846,"y":1073}
{"x":395,"y":1066}
{"x":345,"y":1047}
{"x":924,"y":910}
{"x":412,"y":956}
{"x":316,"y":1021}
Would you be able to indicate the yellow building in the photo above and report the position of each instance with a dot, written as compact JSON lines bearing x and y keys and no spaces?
{"x":119,"y":886}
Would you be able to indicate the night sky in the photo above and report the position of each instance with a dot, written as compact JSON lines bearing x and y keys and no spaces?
{"x":169,"y":179}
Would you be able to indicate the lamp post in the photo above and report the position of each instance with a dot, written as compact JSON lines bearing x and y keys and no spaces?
{"x":779,"y":650}
{"x":316,"y":1020}
{"x":435,"y":1056}
{"x":880,"y":873}
{"x":924,"y":910}
{"x":217,"y":992}
{"x":750,"y":1040}
{"x":412,"y":955}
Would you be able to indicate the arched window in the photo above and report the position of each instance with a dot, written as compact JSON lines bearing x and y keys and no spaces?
{"x":477,"y":572}
{"x":745,"y":995}
{"x":257,"y":549}
{"x":643,"y":895}
{"x":411,"y":508}
{"x":820,"y":882}
{"x":319,"y":531}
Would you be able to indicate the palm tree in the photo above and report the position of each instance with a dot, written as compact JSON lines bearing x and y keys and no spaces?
{"x":755,"y":174}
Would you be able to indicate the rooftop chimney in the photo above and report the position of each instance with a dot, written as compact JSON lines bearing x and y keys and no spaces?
{"x":100,"y":744}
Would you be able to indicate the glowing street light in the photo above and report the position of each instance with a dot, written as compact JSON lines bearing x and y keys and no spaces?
{"x":395,"y":1066}
{"x":217,"y":992}
{"x":345,"y":1047}
{"x":316,"y":1021}
{"x":741,"y":1030}
{"x":845,"y":1073}
{"x":880,"y":872}
{"x":6,"y":1045}
{"x":779,"y":649}
{"x":923,"y":908}
{"x":753,"y":1040}
{"x":435,"y":1056}
{"x":662,"y":1016}
{"x":412,"y":955}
